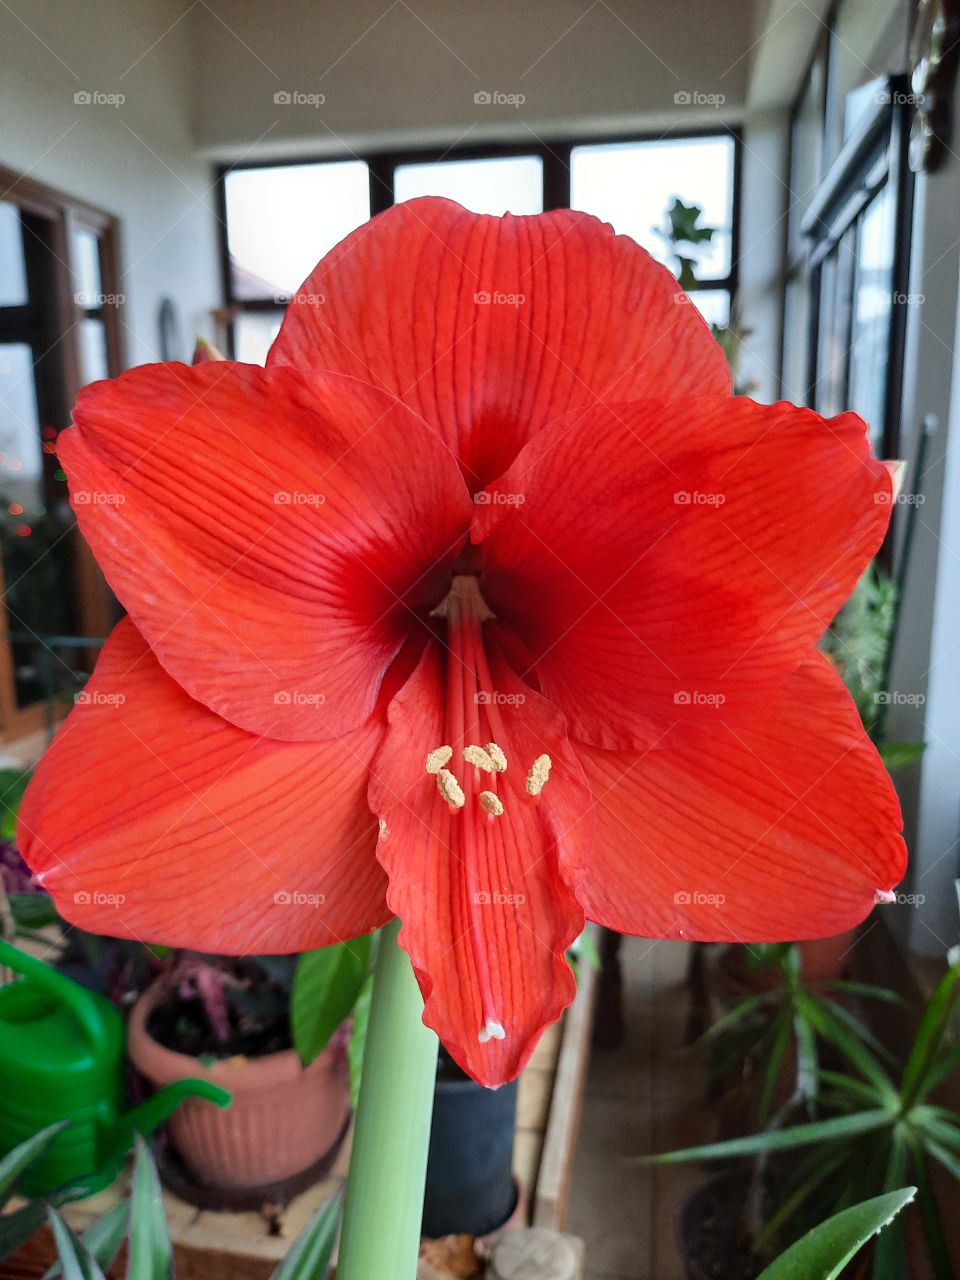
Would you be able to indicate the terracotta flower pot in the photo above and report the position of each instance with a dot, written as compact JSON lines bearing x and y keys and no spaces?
{"x":284,"y":1117}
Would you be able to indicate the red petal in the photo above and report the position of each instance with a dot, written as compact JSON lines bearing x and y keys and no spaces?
{"x":490,"y":327}
{"x":777,"y":830}
{"x":690,"y":558}
{"x":269,"y":534}
{"x":485,"y":906}
{"x":150,"y":817}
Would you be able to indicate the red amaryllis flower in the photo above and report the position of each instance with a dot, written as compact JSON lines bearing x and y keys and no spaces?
{"x":486,"y":605}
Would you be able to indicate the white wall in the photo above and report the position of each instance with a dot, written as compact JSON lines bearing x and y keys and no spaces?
{"x":393,"y":72}
{"x":136,"y":160}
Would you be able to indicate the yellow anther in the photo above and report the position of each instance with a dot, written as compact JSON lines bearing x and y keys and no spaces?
{"x":538,"y":775}
{"x":478,"y":756}
{"x":491,"y":803}
{"x":497,"y":756}
{"x":450,"y":789}
{"x":438,"y":758}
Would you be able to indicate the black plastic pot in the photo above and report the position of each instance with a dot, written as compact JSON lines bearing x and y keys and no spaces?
{"x":470,"y":1188}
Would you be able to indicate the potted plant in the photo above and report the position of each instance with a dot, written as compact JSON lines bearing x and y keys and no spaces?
{"x":228,"y":1020}
{"x":873,"y":1130}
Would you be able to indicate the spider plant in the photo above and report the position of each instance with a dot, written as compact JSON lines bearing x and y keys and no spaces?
{"x":878,"y":1130}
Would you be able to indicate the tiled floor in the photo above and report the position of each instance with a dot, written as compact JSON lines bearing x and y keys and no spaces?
{"x":645,"y":1096}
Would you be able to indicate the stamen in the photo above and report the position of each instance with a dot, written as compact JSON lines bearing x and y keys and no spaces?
{"x":491,"y":1030}
{"x":450,"y":789}
{"x":384,"y":829}
{"x":497,"y":756}
{"x":538,"y":775}
{"x":478,"y":756}
{"x":438,"y":758}
{"x":885,"y":896}
{"x":490,"y":803}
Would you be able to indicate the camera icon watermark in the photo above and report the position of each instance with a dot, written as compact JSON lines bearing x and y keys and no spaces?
{"x":296,"y":98}
{"x":494,"y":98}
{"x":295,"y":898}
{"x":96,"y":98}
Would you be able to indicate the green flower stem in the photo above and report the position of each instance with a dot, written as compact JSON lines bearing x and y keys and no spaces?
{"x":388,"y":1164}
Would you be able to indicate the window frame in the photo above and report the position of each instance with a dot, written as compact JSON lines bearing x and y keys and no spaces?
{"x":555,"y":157}
{"x":56,"y":330}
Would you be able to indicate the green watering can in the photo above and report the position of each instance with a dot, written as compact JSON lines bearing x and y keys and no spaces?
{"x":62,"y":1058}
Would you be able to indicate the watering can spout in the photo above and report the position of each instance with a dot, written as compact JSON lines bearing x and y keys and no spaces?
{"x":159,"y":1106}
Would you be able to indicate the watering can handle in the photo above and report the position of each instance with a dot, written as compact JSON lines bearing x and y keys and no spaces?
{"x":75,"y":997}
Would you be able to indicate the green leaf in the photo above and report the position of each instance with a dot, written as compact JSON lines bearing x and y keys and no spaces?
{"x":17,"y":1228}
{"x":736,"y":1015}
{"x":13,"y":783}
{"x":326,"y":985}
{"x":358,"y":1038}
{"x":835,"y":1030}
{"x":76,"y":1260}
{"x":151,"y":1257}
{"x":103,"y":1237}
{"x":32,"y":910}
{"x":895,"y":755}
{"x":930,"y":1216}
{"x":823,"y":1252}
{"x":15,"y":1162}
{"x":782,"y":1037}
{"x":868,"y":990}
{"x":309,"y":1256}
{"x":584,"y":948}
{"x":801,"y":1135}
{"x":930,"y":1036}
{"x":760,"y":955}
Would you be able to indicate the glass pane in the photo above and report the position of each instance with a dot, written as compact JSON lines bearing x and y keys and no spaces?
{"x":282,"y":220}
{"x":868,"y":43}
{"x":21,"y":462}
{"x":13,"y":276}
{"x":713,"y":305}
{"x":93,"y":350}
{"x":872,"y":305}
{"x":511,"y":184}
{"x":833,"y":355}
{"x":253,"y":335}
{"x":86,"y":264}
{"x":631,"y":185}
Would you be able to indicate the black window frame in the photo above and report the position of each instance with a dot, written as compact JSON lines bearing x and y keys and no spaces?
{"x":554,"y":156}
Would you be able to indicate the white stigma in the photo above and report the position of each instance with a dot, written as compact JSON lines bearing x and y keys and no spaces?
{"x":491,"y":1030}
{"x":884,"y":895}
{"x":490,"y":803}
{"x":450,"y":789}
{"x":438,"y":758}
{"x":538,"y":775}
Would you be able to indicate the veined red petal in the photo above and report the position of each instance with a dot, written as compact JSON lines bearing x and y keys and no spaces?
{"x":486,"y":915}
{"x":687,"y":560}
{"x":270,"y":534}
{"x":782,"y":828}
{"x":490,"y":327}
{"x":150,"y":817}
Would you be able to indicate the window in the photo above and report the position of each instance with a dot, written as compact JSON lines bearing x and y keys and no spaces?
{"x":59,"y":328}
{"x":848,"y":228}
{"x":632,"y":184}
{"x":281,"y":219}
{"x":513,"y":184}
